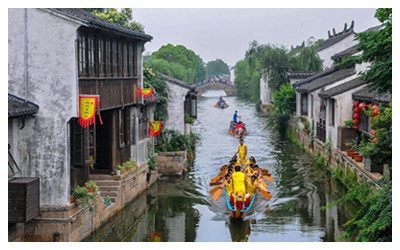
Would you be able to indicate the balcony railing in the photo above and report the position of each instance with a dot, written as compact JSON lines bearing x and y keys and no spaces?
{"x":321,"y":130}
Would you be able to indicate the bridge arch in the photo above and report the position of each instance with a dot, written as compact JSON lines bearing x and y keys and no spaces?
{"x":229,"y":90}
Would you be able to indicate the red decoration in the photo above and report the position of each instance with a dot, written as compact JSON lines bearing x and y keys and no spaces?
{"x":357,"y":110}
{"x":356,"y":121}
{"x":362,"y":105}
{"x":356,"y":116}
{"x":375,"y":140}
{"x":373,"y":132}
{"x":355,"y":127}
{"x":375,"y":107}
{"x":356,"y":104}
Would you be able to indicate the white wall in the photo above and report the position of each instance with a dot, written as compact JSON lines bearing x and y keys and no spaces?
{"x":327,"y":53}
{"x":265,"y":91}
{"x":176,"y":118}
{"x":52,"y":84}
{"x":232,"y":75}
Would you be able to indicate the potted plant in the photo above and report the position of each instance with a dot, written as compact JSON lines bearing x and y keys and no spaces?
{"x":91,"y":186}
{"x":82,"y":194}
{"x":358,"y":158}
{"x":107,"y":201}
{"x":71,"y":199}
{"x":352,"y":145}
{"x":307,"y":126}
{"x":120,"y":170}
{"x":348,"y":123}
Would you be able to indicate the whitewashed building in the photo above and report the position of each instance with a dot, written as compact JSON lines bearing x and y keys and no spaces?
{"x":54,"y":55}
{"x":182,"y":100}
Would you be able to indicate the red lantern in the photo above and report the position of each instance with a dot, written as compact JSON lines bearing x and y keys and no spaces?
{"x":375,"y":107}
{"x":356,"y":104}
{"x":355,"y":127}
{"x":356,"y":116}
{"x":375,"y":140}
{"x":362,"y":105}
{"x":376,"y":111}
{"x":356,"y":121}
{"x":357,"y":110}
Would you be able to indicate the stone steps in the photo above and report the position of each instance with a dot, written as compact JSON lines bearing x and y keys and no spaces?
{"x":108,"y":186}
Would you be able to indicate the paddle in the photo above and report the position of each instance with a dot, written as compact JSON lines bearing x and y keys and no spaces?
{"x":216,"y":178}
{"x":214,"y":183}
{"x":217,"y":194}
{"x":214,"y":189}
{"x":262,"y":183}
{"x":265,"y":193}
{"x":268,"y":178}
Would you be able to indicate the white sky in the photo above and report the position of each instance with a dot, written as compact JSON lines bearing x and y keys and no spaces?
{"x":226,"y":33}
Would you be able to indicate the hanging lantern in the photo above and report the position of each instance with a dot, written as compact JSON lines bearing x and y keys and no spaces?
{"x":356,"y":116}
{"x":355,"y":126}
{"x":362,"y":105}
{"x":356,"y":121}
{"x":356,"y":104}
{"x":357,"y":110}
{"x":375,"y":107}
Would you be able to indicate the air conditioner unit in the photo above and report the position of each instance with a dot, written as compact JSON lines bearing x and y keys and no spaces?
{"x":23,"y":199}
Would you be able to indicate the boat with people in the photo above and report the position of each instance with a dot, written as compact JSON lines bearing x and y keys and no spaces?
{"x":221,"y":103}
{"x":241,"y":179}
{"x":237,"y":129}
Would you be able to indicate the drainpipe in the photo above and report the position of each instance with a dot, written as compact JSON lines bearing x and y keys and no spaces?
{"x":26,"y":53}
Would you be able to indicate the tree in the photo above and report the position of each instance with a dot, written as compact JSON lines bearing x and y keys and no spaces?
{"x":123,"y":17}
{"x":376,"y":48}
{"x":178,"y":62}
{"x":217,"y":67}
{"x":284,"y":105}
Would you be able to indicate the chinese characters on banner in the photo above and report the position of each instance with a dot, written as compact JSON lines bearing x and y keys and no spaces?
{"x":87,"y":110}
{"x":155,"y":128}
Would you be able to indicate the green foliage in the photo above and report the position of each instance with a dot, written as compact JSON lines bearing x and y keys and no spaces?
{"x":216,"y":68}
{"x":348,"y":123}
{"x":311,"y":141}
{"x":376,"y":48}
{"x":152,"y":162}
{"x":155,"y":80}
{"x":284,"y":105}
{"x":373,"y":221}
{"x":178,"y":62}
{"x":82,"y":194}
{"x":328,"y":146}
{"x":123,"y":17}
{"x":170,"y":141}
{"x":189,"y":119}
{"x":380,"y":152}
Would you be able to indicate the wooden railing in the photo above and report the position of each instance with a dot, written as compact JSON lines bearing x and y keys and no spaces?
{"x":321,"y":130}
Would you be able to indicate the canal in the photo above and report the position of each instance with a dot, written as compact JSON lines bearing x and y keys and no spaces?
{"x":180,"y":208}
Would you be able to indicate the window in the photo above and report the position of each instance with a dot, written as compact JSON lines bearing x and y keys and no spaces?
{"x":83,"y":55}
{"x":91,"y":56}
{"x":131,"y":57}
{"x":304,"y":104}
{"x":83,"y":143}
{"x":332,"y":111}
{"x":312,"y":106}
{"x":115,"y":58}
{"x":125,"y":59}
{"x":102,"y":61}
{"x":108,"y":58}
{"x":143,"y":123}
{"x":123,"y":127}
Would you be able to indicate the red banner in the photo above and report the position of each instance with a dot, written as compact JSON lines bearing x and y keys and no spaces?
{"x":155,"y":128}
{"x":145,"y":92}
{"x":87,"y":110}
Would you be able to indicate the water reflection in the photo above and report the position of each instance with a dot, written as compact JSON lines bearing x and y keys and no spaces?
{"x":180,"y":208}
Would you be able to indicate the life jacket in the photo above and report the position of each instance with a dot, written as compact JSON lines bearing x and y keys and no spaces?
{"x":251,"y":187}
{"x":228,"y":187}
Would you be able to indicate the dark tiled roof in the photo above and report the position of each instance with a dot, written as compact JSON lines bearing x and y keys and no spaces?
{"x":299,"y":75}
{"x":341,"y":88}
{"x":313,"y":77}
{"x":374,"y":28}
{"x":318,"y":83}
{"x":346,"y":52}
{"x":364,"y":94}
{"x":100,"y":23}
{"x":18,"y":107}
{"x":177,"y":82}
{"x":336,"y":37}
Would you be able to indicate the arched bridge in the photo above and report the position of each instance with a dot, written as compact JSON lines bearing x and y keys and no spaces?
{"x":229,"y":90}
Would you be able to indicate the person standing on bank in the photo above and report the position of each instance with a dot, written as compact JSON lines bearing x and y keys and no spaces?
{"x":242,"y":150}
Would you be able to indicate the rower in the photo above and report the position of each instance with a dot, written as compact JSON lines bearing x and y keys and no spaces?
{"x":228,"y":184}
{"x":242,"y":150}
{"x":239,"y":184}
{"x":252,"y":187}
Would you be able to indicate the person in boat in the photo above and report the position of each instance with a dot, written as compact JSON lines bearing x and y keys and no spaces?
{"x":239,"y":185}
{"x":228,"y":184}
{"x":252,"y":186}
{"x":235,"y":117}
{"x":232,"y":127}
{"x":242,"y":151}
{"x":251,"y":160}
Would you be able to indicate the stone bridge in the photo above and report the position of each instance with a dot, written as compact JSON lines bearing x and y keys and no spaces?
{"x":229,"y":90}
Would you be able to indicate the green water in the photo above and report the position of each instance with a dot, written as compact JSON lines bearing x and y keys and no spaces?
{"x":180,"y":208}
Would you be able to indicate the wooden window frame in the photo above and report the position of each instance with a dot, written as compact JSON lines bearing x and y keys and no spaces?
{"x":83,"y":56}
{"x":79,"y":139}
{"x":302,"y":112}
{"x":101,"y":52}
{"x":332,"y":112}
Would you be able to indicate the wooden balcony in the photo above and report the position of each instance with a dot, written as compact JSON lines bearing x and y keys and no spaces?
{"x":114,"y":92}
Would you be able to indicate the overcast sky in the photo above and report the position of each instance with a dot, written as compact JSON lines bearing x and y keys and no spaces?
{"x":226,"y":33}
